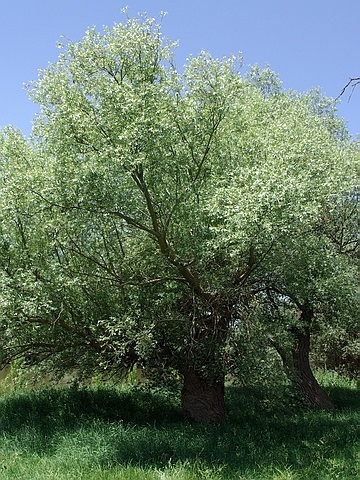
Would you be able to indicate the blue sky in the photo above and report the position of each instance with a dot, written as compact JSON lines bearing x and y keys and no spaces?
{"x":309,"y":43}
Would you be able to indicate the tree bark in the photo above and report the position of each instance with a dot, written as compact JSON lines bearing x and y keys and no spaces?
{"x":312,"y":395}
{"x":202,"y":400}
{"x":297,"y":364}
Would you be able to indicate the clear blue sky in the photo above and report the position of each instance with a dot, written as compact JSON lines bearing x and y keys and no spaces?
{"x":309,"y":43}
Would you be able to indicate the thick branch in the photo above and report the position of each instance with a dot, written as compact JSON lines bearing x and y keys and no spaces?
{"x":162,"y":242}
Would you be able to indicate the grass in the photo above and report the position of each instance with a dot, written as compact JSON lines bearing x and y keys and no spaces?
{"x":131,"y":434}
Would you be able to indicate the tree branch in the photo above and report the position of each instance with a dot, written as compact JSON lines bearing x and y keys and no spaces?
{"x":165,"y":248}
{"x":352,"y":83}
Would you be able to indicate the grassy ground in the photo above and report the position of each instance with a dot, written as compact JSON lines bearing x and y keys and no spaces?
{"x":112,"y":434}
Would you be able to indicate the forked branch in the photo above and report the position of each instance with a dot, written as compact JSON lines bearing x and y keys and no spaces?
{"x":351,"y":84}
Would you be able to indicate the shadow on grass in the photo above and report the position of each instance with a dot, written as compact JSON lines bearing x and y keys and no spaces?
{"x":344,"y":397}
{"x":145,"y":428}
{"x":67,"y":408}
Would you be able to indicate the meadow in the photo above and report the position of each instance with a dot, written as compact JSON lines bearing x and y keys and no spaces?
{"x":133,"y":433}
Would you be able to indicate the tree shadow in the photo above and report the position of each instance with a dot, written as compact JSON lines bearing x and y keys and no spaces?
{"x":344,"y":397}
{"x":46,"y":412}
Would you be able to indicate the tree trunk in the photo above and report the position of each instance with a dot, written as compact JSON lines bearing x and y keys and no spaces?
{"x":202,"y":400}
{"x":297,"y":364}
{"x":305,"y":383}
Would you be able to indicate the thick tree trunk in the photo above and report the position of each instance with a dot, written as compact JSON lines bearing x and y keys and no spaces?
{"x":202,"y":400}
{"x":305,"y":383}
{"x":297,"y":364}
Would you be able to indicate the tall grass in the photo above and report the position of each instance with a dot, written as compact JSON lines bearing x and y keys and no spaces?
{"x":130,"y":433}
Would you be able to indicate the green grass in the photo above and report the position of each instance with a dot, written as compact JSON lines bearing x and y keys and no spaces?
{"x":112,"y":434}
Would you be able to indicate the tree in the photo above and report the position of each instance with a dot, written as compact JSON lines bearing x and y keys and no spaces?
{"x":155,"y":199}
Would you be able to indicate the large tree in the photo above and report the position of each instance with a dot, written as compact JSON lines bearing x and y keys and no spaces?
{"x":152,"y":202}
